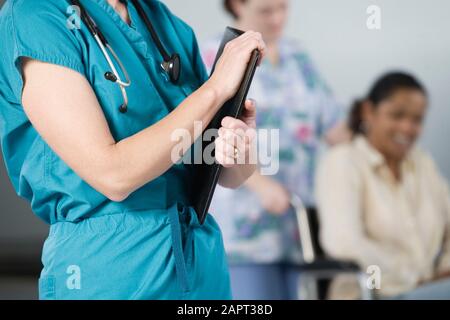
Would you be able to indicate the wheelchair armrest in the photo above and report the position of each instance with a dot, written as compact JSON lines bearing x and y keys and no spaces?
{"x":328,"y":269}
{"x":330,"y":266}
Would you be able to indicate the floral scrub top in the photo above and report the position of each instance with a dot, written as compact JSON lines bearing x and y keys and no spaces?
{"x":293,"y":98}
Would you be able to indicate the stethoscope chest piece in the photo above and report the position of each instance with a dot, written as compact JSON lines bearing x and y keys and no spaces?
{"x":172,"y":68}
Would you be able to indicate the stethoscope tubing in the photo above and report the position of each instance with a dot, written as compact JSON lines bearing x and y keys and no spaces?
{"x":168,"y":64}
{"x":122,"y":85}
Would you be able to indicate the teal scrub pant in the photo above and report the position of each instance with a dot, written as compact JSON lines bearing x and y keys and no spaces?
{"x":275,"y":281}
{"x":148,"y":254}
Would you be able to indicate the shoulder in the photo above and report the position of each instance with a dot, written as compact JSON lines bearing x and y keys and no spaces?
{"x":343,"y":161}
{"x":344,"y":156}
{"x":30,"y":19}
{"x":26,"y":25}
{"x":35,"y":10}
{"x":340,"y":158}
{"x":38,"y":30}
{"x":340,"y":167}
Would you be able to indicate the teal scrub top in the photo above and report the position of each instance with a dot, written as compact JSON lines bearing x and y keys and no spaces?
{"x":38,"y":30}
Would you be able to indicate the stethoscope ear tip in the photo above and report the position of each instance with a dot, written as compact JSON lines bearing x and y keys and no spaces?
{"x":123,"y":108}
{"x":110,"y":76}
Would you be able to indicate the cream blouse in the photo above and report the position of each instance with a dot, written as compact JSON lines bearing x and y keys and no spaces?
{"x":370,"y":218}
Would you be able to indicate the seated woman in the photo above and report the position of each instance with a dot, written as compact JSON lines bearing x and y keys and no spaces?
{"x":382,"y":201}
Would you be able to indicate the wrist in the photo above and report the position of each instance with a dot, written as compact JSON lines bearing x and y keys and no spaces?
{"x":255,"y":183}
{"x":216,"y":91}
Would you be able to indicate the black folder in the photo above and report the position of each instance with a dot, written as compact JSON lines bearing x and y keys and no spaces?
{"x":207,"y":175}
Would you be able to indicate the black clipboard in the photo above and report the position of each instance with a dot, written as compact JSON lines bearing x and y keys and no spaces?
{"x":206,"y":176}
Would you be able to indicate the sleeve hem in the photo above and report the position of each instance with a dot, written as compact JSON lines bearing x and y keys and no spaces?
{"x":61,"y":61}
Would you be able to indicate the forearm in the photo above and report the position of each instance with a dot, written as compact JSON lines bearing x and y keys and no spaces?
{"x":358,"y":248}
{"x":233,"y":178}
{"x":255,"y":182}
{"x":148,"y":154}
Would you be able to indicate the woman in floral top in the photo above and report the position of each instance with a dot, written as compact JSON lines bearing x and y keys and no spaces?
{"x":259,"y":228}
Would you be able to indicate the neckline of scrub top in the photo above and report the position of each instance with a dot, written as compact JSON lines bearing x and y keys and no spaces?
{"x":129,"y":30}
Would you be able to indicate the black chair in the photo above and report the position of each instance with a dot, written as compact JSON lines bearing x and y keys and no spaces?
{"x":317,"y":270}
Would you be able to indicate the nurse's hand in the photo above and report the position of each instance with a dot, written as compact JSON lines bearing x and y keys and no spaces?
{"x":274,"y":198}
{"x":236,"y":137}
{"x":272,"y":195}
{"x":231,"y":66}
{"x":236,"y":148}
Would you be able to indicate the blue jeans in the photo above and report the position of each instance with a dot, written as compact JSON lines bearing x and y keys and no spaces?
{"x":439,"y":290}
{"x":264,"y":282}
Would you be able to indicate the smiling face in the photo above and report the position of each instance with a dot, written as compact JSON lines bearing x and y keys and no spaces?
{"x":265,"y":16}
{"x":396,"y":123}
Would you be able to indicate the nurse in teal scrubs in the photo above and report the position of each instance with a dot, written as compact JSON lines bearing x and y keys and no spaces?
{"x":121,"y":224}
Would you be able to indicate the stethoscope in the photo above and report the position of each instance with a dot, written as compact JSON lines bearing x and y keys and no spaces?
{"x":171,"y":64}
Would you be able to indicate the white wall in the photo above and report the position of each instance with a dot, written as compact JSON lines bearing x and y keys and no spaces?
{"x":415,"y":36}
